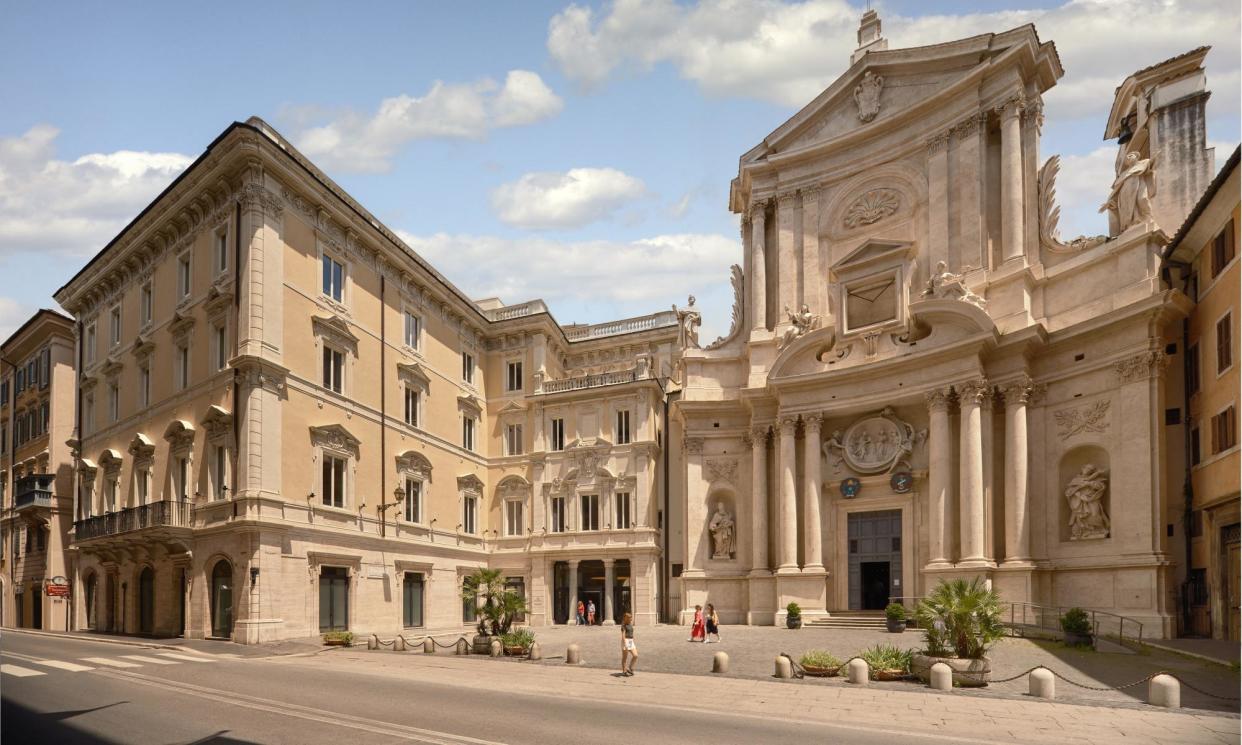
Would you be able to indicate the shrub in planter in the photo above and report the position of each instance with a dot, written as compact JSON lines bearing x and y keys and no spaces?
{"x":960,"y":620}
{"x":518,"y":641}
{"x":895,"y":616}
{"x":820,"y":663}
{"x":886,"y":661}
{"x":1076,"y":624}
{"x":793,"y":616}
{"x":496,"y":606}
{"x":338,"y":638}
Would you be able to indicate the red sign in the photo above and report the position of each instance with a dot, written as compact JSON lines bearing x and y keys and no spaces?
{"x":58,"y":591}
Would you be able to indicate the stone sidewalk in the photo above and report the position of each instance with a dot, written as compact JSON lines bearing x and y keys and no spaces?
{"x":957,"y":717}
{"x":752,"y":649}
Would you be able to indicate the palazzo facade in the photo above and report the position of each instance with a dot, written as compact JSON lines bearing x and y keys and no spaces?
{"x":923,"y":381}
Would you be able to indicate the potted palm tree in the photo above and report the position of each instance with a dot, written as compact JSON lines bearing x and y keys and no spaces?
{"x":793,"y":616}
{"x":1077,"y":627}
{"x":895,"y":617}
{"x":960,"y":620}
{"x":499,"y":608}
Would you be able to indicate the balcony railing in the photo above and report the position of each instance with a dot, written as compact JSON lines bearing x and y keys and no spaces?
{"x":33,"y":491}
{"x":505,"y":312}
{"x":154,"y":515}
{"x":590,"y":381}
{"x":626,"y":326}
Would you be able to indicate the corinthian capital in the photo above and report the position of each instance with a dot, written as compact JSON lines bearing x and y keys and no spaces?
{"x":788,"y":424}
{"x":938,"y":399}
{"x":759,"y":434}
{"x":757,"y":209}
{"x":1017,"y":392}
{"x":813,"y":422}
{"x":972,"y":391}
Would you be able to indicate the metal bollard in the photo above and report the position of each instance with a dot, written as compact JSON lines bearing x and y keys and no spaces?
{"x":495,"y":648}
{"x":720,"y":662}
{"x":398,"y":644}
{"x":859,"y":672}
{"x":463,"y":647}
{"x":536,"y":653}
{"x":373,"y":641}
{"x":429,"y":646}
{"x":1043,"y":683}
{"x":784,"y":668}
{"x":573,"y":656}
{"x":941,"y":677}
{"x":1164,"y":690}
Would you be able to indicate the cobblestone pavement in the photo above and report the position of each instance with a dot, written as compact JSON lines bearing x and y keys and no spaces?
{"x":752,"y":650}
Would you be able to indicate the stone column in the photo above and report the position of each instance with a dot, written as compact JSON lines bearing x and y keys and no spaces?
{"x":697,"y":552}
{"x":758,"y":274}
{"x":813,"y":542}
{"x":968,"y":168}
{"x":812,"y":288}
{"x":787,"y":256}
{"x":572,"y":619}
{"x":609,"y":581}
{"x":1011,"y":180}
{"x":1017,"y":508}
{"x":759,"y":500}
{"x":939,"y":475}
{"x":970,"y":477}
{"x":938,"y":199}
{"x":788,"y":499}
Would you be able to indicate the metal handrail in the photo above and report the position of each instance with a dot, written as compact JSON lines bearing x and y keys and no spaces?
{"x":167,"y":513}
{"x":1049,"y":617}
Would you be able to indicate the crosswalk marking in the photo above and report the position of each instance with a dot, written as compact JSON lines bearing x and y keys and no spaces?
{"x":72,"y":667}
{"x":185,"y":657}
{"x":109,"y":663}
{"x":19,"y":672}
{"x":148,"y":660}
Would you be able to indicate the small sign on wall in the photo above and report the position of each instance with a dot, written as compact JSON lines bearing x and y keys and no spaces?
{"x":375,"y":572}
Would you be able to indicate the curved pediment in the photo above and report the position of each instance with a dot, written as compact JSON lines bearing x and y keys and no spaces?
{"x":942,"y":313}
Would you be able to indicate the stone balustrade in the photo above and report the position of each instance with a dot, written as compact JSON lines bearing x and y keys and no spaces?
{"x":590,"y":381}
{"x":626,"y":326}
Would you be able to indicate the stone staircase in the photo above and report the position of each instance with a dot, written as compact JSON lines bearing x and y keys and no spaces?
{"x":849,"y":619}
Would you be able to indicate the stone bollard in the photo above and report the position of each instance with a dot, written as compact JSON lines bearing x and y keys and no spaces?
{"x":495,"y":648}
{"x":1164,"y":690}
{"x":398,"y":644}
{"x":784,"y":668}
{"x":373,"y":642}
{"x":536,"y":653}
{"x":429,"y":646}
{"x":720,"y":662}
{"x":859,"y":672}
{"x":463,"y":647}
{"x":1043,"y":684}
{"x":573,"y":656}
{"x":941,"y":677}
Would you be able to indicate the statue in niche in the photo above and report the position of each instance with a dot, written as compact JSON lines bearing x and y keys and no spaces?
{"x":1085,"y":494}
{"x":1129,"y":201}
{"x":945,"y":284}
{"x":801,"y":322}
{"x":721,"y":527}
{"x":833,"y":450}
{"x":688,"y":321}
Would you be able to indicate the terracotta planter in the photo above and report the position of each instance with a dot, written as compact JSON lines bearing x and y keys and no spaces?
{"x":515,"y":650}
{"x":335,"y":643}
{"x":966,"y":673}
{"x":895,"y":627}
{"x":821,"y":672}
{"x":888,"y":674}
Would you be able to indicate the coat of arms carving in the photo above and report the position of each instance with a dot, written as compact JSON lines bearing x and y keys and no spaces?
{"x":867,"y":96}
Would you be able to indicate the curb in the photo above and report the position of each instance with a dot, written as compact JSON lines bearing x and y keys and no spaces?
{"x":102,"y":639}
{"x":1194,"y":655}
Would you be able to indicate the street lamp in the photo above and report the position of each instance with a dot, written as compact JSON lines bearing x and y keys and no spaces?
{"x":398,"y":496}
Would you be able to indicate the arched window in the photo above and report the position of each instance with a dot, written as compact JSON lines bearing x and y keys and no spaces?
{"x":222,"y":599}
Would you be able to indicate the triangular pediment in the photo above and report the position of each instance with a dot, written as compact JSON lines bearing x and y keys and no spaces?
{"x":873,"y":254}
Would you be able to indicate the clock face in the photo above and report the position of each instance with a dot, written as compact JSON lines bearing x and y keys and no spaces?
{"x":902,"y":481}
{"x":850,"y":487}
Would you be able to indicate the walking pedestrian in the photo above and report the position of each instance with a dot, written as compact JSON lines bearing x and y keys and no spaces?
{"x":590,"y":613}
{"x":713,"y":624}
{"x":696,"y":628}
{"x":629,"y":651}
{"x":581,"y":613}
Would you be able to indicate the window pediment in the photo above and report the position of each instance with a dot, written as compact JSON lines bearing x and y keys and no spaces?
{"x":217,"y":421}
{"x":179,"y":433}
{"x":335,"y":329}
{"x":143,"y":346}
{"x":872,"y":255}
{"x":141,"y":447}
{"x":111,"y":368}
{"x":470,"y":405}
{"x":110,"y":461}
{"x":470,"y":485}
{"x":335,"y":437}
{"x":415,"y":464}
{"x":181,"y":324}
{"x":414,"y":373}
{"x":513,"y":487}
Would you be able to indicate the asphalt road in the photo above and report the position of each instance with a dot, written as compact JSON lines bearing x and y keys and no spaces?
{"x":68,"y":691}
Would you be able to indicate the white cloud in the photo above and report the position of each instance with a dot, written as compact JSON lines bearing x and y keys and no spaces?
{"x":1082,"y":186}
{"x":565,"y":200}
{"x":787,"y":53}
{"x":591,"y":281}
{"x":12,"y":315}
{"x":73,"y":207}
{"x":356,"y":142}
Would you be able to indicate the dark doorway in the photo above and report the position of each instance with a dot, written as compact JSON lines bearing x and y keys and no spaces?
{"x":412,"y":600}
{"x":181,"y":587}
{"x":19,"y":610}
{"x":146,"y":601}
{"x":560,"y":592}
{"x":36,"y":607}
{"x":874,"y":585}
{"x":222,"y":600}
{"x":333,"y":599}
{"x":110,"y":604}
{"x":91,"y":590}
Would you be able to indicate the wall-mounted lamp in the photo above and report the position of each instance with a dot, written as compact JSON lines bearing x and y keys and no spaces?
{"x":254,"y":576}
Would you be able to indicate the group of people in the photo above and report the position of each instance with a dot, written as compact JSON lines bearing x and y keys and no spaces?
{"x":705,"y":626}
{"x":586,"y":613}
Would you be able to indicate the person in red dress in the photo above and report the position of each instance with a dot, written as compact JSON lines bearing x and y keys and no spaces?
{"x":696,"y":630}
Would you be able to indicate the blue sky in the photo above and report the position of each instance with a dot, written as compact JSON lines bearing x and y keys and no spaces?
{"x":581,"y":153}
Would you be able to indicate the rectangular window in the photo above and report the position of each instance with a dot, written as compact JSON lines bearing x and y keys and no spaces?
{"x":1224,"y":430}
{"x":88,"y":343}
{"x":114,"y":402}
{"x":145,"y":304}
{"x":1196,"y":451}
{"x":470,"y":514}
{"x":333,"y":278}
{"x":144,"y":386}
{"x":411,"y":405}
{"x":333,"y":481}
{"x":1224,"y":343}
{"x":513,"y":439}
{"x":142,"y":484}
{"x":183,"y":277}
{"x":623,"y":511}
{"x":181,"y":474}
{"x":220,"y":475}
{"x":220,"y":342}
{"x":623,"y":426}
{"x":467,"y":367}
{"x":88,"y":413}
{"x":1192,"y":369}
{"x":590,"y":512}
{"x":513,"y":380}
{"x":114,"y":325}
{"x":1222,"y":249}
{"x":559,"y":515}
{"x":222,"y":252}
{"x":413,"y":328}
{"x":110,"y":489}
{"x":467,"y":432}
{"x":333,"y":369}
{"x":183,"y":366}
{"x":413,"y":506}
{"x":514,"y":526}
{"x":469,"y":605}
{"x":558,"y":434}
{"x":412,"y":600}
